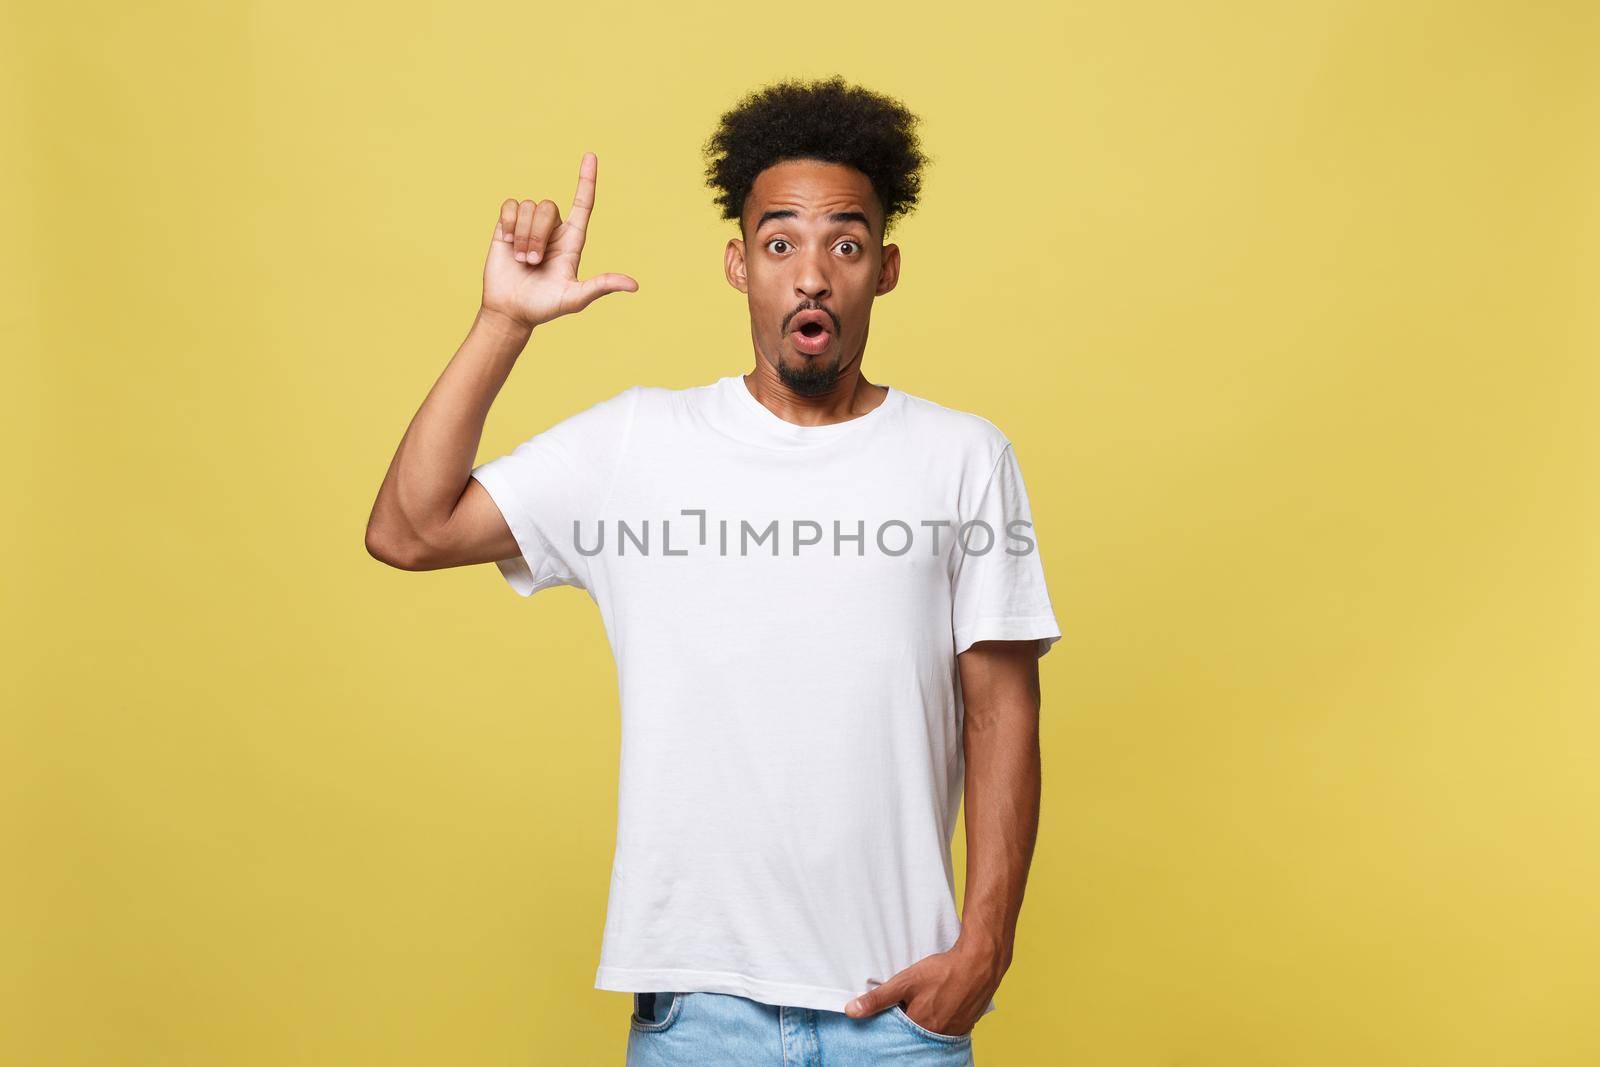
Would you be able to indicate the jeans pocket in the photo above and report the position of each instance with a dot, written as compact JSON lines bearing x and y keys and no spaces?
{"x":949,"y":1039}
{"x":654,"y":1012}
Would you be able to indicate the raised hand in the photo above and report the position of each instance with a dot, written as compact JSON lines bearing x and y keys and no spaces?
{"x":531,"y":274}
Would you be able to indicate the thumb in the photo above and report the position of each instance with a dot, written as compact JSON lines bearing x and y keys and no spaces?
{"x":873,"y":1001}
{"x":594,"y":288}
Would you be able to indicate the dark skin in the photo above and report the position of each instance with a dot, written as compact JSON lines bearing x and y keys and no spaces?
{"x":824,"y":250}
{"x":829,"y":255}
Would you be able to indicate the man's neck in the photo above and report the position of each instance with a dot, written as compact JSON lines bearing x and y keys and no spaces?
{"x":851,"y":397}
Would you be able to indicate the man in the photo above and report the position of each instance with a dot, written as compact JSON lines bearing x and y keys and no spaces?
{"x":824,"y":600}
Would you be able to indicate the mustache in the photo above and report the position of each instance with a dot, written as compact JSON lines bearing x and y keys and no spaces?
{"x":813,"y":307}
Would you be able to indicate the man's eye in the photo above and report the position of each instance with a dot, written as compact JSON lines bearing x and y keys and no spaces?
{"x":776,"y":241}
{"x":849,"y":243}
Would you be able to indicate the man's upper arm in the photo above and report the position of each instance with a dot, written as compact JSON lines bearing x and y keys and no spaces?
{"x":476,"y":532}
{"x":999,"y":675}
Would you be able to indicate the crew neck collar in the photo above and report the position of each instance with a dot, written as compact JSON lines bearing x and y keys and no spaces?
{"x":775,"y":429}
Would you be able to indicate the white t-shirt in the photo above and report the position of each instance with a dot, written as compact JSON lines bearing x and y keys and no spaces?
{"x":785,"y":611}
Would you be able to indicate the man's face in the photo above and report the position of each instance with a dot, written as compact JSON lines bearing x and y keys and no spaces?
{"x":814,"y":244}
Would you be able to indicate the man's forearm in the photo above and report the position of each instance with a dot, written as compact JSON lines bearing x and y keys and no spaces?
{"x":434,"y":460}
{"x":1001,"y":735}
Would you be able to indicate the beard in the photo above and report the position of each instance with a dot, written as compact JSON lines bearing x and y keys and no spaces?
{"x":808,"y":377}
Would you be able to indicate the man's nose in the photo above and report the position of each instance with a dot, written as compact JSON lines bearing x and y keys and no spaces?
{"x":812,"y":281}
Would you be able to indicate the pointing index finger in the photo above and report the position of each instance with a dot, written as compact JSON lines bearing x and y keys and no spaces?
{"x":583,"y":199}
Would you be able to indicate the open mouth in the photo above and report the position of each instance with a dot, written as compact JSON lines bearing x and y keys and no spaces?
{"x":811,"y":332}
{"x":811,"y":329}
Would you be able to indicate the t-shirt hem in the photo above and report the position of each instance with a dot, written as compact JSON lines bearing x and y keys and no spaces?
{"x":670,"y":979}
{"x":1009,"y":628}
{"x":788,"y":994}
{"x":518,"y":570}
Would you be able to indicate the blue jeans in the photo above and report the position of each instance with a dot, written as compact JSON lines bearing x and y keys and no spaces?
{"x":721,"y":1030}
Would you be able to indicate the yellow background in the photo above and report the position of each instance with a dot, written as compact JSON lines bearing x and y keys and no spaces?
{"x":1289,"y":309}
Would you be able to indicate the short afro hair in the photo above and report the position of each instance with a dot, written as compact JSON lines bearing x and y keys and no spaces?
{"x":828,"y":121}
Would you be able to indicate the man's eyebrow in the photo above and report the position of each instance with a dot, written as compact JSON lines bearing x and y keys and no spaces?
{"x":790,"y":213}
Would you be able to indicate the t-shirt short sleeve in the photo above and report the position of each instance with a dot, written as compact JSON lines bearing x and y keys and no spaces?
{"x":998,"y":591}
{"x":553,"y":484}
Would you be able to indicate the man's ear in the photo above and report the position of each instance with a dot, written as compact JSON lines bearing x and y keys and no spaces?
{"x":889,"y":271}
{"x":733,"y":265}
